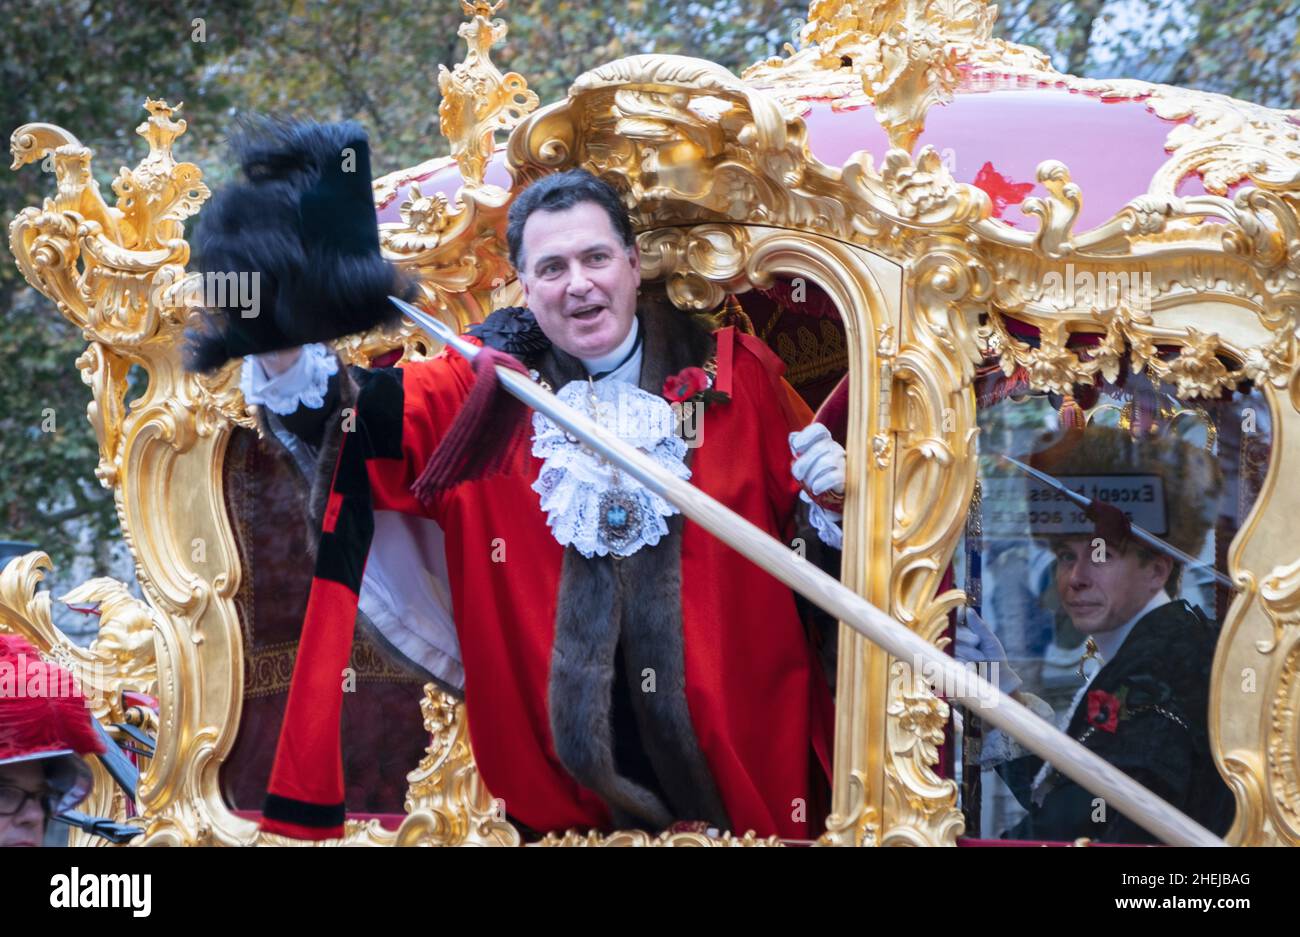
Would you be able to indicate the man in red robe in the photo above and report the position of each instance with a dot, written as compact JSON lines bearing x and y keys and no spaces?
{"x":620,"y":666}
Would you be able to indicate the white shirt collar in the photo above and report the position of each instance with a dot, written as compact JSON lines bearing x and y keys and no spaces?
{"x":1109,"y":643}
{"x":630,"y":370}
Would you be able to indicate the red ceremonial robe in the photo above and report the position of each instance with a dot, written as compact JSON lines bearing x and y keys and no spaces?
{"x":758,"y":701}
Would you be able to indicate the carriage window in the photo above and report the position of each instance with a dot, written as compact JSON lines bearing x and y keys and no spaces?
{"x":1094,"y":558}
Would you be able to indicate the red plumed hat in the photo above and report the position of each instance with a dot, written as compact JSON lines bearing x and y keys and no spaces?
{"x":43,"y":716}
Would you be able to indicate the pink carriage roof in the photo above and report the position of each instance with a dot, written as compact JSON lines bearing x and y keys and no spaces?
{"x":992,"y":134}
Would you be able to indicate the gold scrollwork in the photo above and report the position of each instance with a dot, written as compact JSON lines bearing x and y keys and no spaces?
{"x":456,"y":255}
{"x":447,"y":803}
{"x":686,"y":142}
{"x":1279,"y":593}
{"x":699,"y":265}
{"x":477,"y":99}
{"x":121,"y":657}
{"x":922,"y":807}
{"x":900,"y":57}
{"x":1283,"y":747}
{"x":1195,"y":372}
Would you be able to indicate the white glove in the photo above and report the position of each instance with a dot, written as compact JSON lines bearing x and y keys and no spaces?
{"x":819,"y":463}
{"x":977,"y":644}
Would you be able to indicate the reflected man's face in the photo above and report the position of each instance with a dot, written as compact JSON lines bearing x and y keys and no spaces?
{"x":1102,"y":589}
{"x":27,"y":826}
{"x":579,"y":279}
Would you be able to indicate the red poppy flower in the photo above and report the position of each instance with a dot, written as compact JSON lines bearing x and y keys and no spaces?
{"x":1103,"y":710}
{"x":685,"y":384}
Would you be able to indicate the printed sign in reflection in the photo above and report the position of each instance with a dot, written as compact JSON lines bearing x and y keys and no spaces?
{"x":1018,"y":507}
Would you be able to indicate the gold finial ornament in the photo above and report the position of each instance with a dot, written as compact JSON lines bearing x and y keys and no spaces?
{"x":454,"y":249}
{"x":903,"y":56}
{"x":477,"y":99}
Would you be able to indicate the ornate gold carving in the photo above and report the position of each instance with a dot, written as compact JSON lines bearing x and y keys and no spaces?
{"x":127,"y":252}
{"x":1279,"y":593}
{"x":1224,"y":140}
{"x":455,"y":251}
{"x":882,"y":443}
{"x":710,"y":260}
{"x":920,"y":194}
{"x":699,"y":265}
{"x":859,"y":824}
{"x":447,"y":803}
{"x":933,"y":422}
{"x":668,"y":139}
{"x":1283,"y":746}
{"x":119,"y":275}
{"x":477,"y":100}
{"x":1058,"y":213}
{"x":904,"y":71}
{"x":456,"y":254}
{"x":922,"y":807}
{"x":686,"y":142}
{"x":900,"y":57}
{"x":1195,"y":372}
{"x":120,"y":658}
{"x":386,"y":187}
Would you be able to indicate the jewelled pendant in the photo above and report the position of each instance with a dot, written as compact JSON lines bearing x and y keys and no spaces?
{"x":620,"y":519}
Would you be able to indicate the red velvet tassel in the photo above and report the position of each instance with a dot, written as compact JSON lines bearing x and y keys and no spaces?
{"x":483,"y":438}
{"x":1073,"y":423}
{"x":994,"y":387}
{"x":834,"y":411}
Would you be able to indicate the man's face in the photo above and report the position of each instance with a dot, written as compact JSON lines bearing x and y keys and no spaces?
{"x":1102,"y":589}
{"x":27,"y":826}
{"x":578,"y":279}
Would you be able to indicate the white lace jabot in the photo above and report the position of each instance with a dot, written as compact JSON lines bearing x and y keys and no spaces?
{"x":574,"y":480}
{"x":303,"y":384}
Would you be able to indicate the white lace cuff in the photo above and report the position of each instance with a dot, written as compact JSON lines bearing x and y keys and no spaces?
{"x":826,"y":523}
{"x":999,"y":747}
{"x":303,"y":384}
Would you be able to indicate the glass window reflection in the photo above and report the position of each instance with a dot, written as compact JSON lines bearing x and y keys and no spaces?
{"x":1093,"y":558}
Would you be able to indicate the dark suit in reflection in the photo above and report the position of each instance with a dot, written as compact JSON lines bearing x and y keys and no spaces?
{"x":1145,"y":713}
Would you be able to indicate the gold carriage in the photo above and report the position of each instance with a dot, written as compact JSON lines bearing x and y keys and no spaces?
{"x":963,"y":215}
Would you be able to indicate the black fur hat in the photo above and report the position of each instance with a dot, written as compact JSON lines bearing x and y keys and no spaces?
{"x":291,"y":255}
